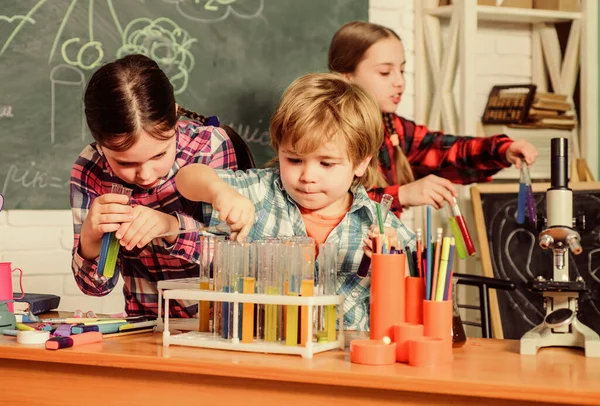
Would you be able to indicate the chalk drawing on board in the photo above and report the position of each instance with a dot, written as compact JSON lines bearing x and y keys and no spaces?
{"x":252,"y":136}
{"x":517,"y":299}
{"x":22,"y":21}
{"x":6,"y":112}
{"x":213,"y":11}
{"x":63,"y":77}
{"x":165,"y":42}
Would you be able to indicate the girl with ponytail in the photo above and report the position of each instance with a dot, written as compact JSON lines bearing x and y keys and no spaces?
{"x":417,"y":166}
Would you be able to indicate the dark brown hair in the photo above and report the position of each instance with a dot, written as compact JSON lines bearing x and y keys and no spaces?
{"x":347,"y":49}
{"x":128,"y":96}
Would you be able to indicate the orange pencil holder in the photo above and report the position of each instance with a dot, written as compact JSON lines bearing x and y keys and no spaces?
{"x":387,"y":294}
{"x":427,"y":352}
{"x":415,"y":294}
{"x":404,"y":333}
{"x":437,"y":323}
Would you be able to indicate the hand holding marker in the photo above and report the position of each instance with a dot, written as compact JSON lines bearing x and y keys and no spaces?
{"x":382,"y":210}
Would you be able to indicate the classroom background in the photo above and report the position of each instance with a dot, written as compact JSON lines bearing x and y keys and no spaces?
{"x":40,"y":241}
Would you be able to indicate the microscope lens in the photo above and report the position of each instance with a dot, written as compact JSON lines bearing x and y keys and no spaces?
{"x":559,"y":163}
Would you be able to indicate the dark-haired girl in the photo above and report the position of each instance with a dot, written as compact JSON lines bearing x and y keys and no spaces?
{"x":140,"y":143}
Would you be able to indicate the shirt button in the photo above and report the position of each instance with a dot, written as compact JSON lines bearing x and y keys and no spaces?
{"x":355,"y":294}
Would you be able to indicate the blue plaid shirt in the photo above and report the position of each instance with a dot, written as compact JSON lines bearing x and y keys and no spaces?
{"x":277,"y":215}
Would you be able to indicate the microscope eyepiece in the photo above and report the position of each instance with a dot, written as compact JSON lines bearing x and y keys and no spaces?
{"x":559,"y":163}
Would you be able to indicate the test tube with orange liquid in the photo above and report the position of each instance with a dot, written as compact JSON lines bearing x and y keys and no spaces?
{"x":206,"y":256}
{"x":245,"y":254}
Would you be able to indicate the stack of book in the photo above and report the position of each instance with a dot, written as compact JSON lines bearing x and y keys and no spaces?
{"x":550,"y":110}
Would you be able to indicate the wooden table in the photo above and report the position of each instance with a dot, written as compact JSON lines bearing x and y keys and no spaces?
{"x":138,"y":370}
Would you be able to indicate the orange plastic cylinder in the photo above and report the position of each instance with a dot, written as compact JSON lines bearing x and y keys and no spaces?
{"x":415,"y":294}
{"x":427,"y":352}
{"x":404,"y":333}
{"x":372,"y":352}
{"x":387,"y":294}
{"x":437,"y":322}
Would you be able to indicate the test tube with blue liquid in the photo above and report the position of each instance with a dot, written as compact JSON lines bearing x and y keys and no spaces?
{"x":526,"y":201}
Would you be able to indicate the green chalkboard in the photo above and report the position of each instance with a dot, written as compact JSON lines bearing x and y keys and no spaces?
{"x":230,"y":58}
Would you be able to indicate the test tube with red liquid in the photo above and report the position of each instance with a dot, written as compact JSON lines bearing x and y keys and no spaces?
{"x":458,"y":225}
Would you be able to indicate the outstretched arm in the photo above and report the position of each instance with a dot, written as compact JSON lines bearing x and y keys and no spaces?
{"x":198,"y":182}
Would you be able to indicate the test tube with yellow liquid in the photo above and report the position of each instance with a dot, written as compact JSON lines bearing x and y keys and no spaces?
{"x":327,"y":278}
{"x":293,"y":254}
{"x":307,"y":288}
{"x":206,"y":254}
{"x":268,"y":260}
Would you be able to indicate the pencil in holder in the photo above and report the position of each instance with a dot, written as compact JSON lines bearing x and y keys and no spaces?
{"x":387,"y":294}
{"x":403,"y":334}
{"x":437,"y":323}
{"x":415,"y":295}
{"x":427,"y":352}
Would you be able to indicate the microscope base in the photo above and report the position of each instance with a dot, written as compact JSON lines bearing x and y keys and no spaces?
{"x":543,"y":336}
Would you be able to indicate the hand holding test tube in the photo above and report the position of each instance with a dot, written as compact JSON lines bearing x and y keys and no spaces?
{"x":464,"y":243}
{"x":526,"y":202}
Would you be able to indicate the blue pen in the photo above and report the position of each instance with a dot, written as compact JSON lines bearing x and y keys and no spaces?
{"x":429,"y":256}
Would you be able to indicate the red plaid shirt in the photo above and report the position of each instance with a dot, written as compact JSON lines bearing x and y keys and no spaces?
{"x":141,"y":269}
{"x":461,"y":160}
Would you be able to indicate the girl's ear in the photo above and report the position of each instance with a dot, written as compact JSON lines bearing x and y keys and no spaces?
{"x":361,"y":168}
{"x":176,"y":108}
{"x":348,"y":76}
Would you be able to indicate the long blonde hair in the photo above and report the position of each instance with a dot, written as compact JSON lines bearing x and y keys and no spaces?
{"x":318,"y":107}
{"x":347,"y":49}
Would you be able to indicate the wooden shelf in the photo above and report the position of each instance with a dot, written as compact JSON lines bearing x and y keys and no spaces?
{"x":511,"y":14}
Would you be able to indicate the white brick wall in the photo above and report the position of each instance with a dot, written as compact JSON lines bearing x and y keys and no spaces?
{"x":40,"y":241}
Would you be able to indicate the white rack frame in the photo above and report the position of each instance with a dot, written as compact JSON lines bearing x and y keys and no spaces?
{"x":210,"y":340}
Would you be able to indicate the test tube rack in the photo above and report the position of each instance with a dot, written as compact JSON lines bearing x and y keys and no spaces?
{"x":210,"y":340}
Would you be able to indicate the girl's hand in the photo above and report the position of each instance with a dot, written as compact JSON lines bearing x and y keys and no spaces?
{"x":106,"y":215}
{"x":236,"y":210}
{"x":389,"y":232}
{"x":146,"y":225}
{"x":430,"y":190}
{"x":519,"y":150}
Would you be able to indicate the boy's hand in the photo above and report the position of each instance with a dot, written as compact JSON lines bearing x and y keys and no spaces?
{"x":236,"y":210}
{"x":519,"y":150}
{"x":106,"y":215}
{"x":431,"y":190}
{"x":389,"y":232}
{"x":146,"y":225}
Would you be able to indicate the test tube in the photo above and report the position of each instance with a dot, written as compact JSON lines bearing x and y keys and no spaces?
{"x":294,"y":270}
{"x":218,"y":286}
{"x":459,"y":228}
{"x":109,"y":250}
{"x":384,"y":209}
{"x":262,"y":270}
{"x":246,"y":253}
{"x":206,"y":252}
{"x":307,"y":288}
{"x":327,"y":281}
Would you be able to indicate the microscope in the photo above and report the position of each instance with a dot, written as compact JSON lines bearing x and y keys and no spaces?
{"x":560,"y":326}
